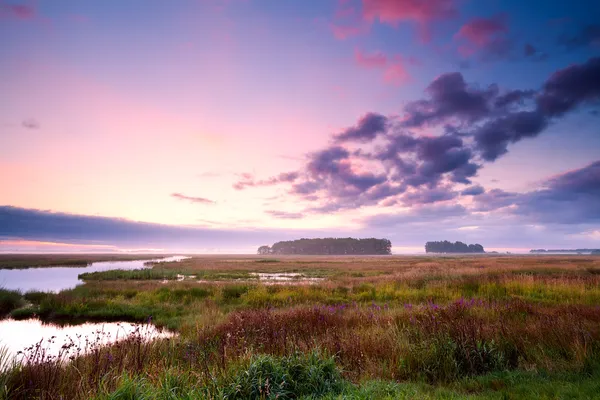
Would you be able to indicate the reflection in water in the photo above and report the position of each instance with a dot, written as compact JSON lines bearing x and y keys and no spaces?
{"x":55,"y":279}
{"x":17,"y":336}
{"x":284,"y":277}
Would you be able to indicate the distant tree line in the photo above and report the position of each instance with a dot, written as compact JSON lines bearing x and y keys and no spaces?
{"x":329,"y":246}
{"x":565,"y":251}
{"x":456,"y":247}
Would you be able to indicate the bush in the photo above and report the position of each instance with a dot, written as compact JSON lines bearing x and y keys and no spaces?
{"x":284,"y":378}
{"x":233,"y":292}
{"x":9,"y":300}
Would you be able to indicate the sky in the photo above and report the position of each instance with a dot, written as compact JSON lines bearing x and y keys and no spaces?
{"x":217,"y":126}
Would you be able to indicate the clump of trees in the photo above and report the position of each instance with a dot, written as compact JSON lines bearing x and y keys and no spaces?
{"x":456,"y":247}
{"x":329,"y":246}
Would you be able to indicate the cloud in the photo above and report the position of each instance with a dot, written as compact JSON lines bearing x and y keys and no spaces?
{"x":394,"y":11}
{"x":571,"y":87}
{"x":343,"y":32}
{"x":381,"y":160}
{"x":30,"y":123}
{"x":417,"y":215}
{"x":285,"y":214}
{"x":373,"y":60}
{"x":474,"y":190}
{"x":450,"y":98}
{"x":350,"y":21}
{"x":569,"y":198}
{"x":394,"y":69}
{"x":588,"y":36}
{"x":249,"y":181}
{"x":532,"y":53}
{"x":16,"y":11}
{"x":492,"y":139}
{"x":513,"y":97}
{"x":368,"y":127}
{"x":197,"y":200}
{"x":428,"y":195}
{"x":487,"y":34}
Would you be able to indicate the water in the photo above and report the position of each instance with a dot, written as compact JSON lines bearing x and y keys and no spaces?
{"x":16,"y":336}
{"x":55,"y":279}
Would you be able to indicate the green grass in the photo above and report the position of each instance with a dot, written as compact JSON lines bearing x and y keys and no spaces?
{"x":310,"y":378}
{"x":135,"y":274}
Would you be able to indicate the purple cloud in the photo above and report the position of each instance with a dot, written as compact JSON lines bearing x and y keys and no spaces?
{"x":366,"y":129}
{"x":588,"y":36}
{"x":197,"y":200}
{"x":571,"y":87}
{"x":450,"y":98}
{"x":249,"y":181}
{"x":285,"y":214}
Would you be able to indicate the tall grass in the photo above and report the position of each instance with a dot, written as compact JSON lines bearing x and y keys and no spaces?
{"x":135,"y":274}
{"x":476,"y":331}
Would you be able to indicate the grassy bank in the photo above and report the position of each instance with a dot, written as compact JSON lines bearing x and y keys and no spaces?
{"x":21,"y":261}
{"x":488,"y":327}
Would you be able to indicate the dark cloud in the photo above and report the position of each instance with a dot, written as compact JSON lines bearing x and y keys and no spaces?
{"x":532,"y":53}
{"x":41,"y":225}
{"x":569,"y":198}
{"x":284,"y":214}
{"x":427,"y":196}
{"x":30,"y":123}
{"x":492,"y":139}
{"x":513,"y":97}
{"x":474,"y":190}
{"x":383,"y":161}
{"x":571,"y":87}
{"x":367,"y":128}
{"x":589,"y":35}
{"x":192,"y":199}
{"x":495,"y":199}
{"x":450,"y":98}
{"x":247,"y":180}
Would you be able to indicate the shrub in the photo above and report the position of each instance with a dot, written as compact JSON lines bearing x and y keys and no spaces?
{"x":9,"y":300}
{"x":284,"y":377}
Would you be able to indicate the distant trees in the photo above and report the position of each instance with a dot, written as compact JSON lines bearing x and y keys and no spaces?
{"x":592,"y":251}
{"x":329,"y":246}
{"x":456,"y":247}
{"x":262,"y":250}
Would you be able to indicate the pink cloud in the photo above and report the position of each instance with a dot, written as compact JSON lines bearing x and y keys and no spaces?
{"x":350,"y":22}
{"x":483,"y":31}
{"x":343,"y":32}
{"x":347,"y":21}
{"x":373,"y":60}
{"x":486,"y":35}
{"x":16,"y":11}
{"x":394,"y":70}
{"x":396,"y":74}
{"x":394,"y":11}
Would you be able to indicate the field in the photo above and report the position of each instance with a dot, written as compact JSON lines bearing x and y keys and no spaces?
{"x":476,"y":327}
